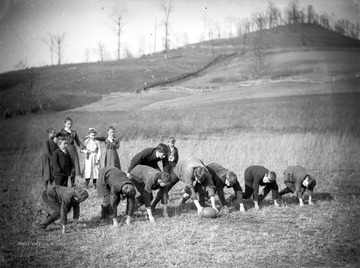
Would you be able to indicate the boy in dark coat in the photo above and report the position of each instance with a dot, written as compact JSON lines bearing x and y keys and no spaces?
{"x":146,"y":179}
{"x":298,"y":180}
{"x":61,"y":200}
{"x":173,"y":153}
{"x":197,"y":178}
{"x":114,"y":186}
{"x":61,"y":163}
{"x":150,"y":157}
{"x":256,"y":176}
{"x":223,"y":177}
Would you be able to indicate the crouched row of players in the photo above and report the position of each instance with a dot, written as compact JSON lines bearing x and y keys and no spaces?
{"x":201,"y":182}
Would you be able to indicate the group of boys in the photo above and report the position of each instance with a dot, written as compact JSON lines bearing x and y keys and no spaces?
{"x":201,"y":182}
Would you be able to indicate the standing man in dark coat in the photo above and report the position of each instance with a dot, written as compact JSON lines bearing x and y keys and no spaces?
{"x":61,"y":200}
{"x":256,"y":176}
{"x":197,"y":178}
{"x":150,"y":157}
{"x":298,"y":180}
{"x":61,"y":163}
{"x":146,"y":179}
{"x":223,"y":177}
{"x":114,"y":186}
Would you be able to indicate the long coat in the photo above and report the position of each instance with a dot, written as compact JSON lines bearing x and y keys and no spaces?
{"x":293,"y":179}
{"x":184,"y":170}
{"x":147,"y":157}
{"x":111,"y":180}
{"x":49,"y":147}
{"x":145,"y":180}
{"x":218,"y":174}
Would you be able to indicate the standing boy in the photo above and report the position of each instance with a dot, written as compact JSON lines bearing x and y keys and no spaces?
{"x":298,"y":180}
{"x":173,"y":153}
{"x":223,"y":177}
{"x":256,"y":176}
{"x":61,"y":200}
{"x":114,"y":186}
{"x":61,"y":163}
{"x":146,"y":179}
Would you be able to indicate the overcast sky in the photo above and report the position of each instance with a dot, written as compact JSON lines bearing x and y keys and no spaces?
{"x":25,"y":23}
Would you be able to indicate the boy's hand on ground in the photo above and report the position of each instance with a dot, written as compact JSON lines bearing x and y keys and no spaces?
{"x":242,"y":209}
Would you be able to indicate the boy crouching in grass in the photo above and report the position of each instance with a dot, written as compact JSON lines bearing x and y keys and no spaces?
{"x":114,"y":186}
{"x":61,"y":200}
{"x":297,"y":180}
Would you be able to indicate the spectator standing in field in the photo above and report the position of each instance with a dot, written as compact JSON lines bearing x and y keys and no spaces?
{"x":92,"y":158}
{"x":61,"y":200}
{"x":298,"y":180}
{"x":72,"y":138}
{"x":151,"y":156}
{"x":173,"y":153}
{"x":146,"y":179}
{"x":49,"y":147}
{"x":197,"y":178}
{"x":256,"y":176}
{"x":114,"y":186}
{"x":61,"y":164}
{"x":223,"y":177}
{"x":111,"y":144}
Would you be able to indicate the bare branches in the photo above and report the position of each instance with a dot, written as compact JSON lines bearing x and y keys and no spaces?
{"x":119,"y":17}
{"x":167,"y":7}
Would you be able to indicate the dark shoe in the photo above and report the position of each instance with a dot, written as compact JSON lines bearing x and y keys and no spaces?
{"x":104,"y":212}
{"x":94,"y":183}
{"x":87,"y":183}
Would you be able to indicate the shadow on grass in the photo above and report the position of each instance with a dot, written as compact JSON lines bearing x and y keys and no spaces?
{"x":292,"y":199}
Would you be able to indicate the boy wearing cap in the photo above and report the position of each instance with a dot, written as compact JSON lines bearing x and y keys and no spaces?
{"x":146,"y":179}
{"x":297,"y":180}
{"x":61,"y":200}
{"x":256,"y":176}
{"x":223,"y":177}
{"x":150,"y":157}
{"x":114,"y":186}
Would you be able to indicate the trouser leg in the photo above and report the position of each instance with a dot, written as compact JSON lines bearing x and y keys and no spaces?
{"x":72,"y":179}
{"x":285,"y":191}
{"x":248,"y":192}
{"x":87,"y":181}
{"x":174,"y":180}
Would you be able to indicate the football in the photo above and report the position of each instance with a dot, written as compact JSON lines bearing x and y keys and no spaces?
{"x":208,"y":212}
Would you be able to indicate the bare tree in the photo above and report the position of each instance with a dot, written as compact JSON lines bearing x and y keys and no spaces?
{"x":310,"y":14}
{"x":49,"y":40}
{"x":59,"y":42}
{"x":101,"y":50}
{"x":167,"y":7}
{"x":258,"y":57}
{"x":120,"y":17}
{"x":273,"y":14}
{"x":87,"y":54}
{"x":293,"y":12}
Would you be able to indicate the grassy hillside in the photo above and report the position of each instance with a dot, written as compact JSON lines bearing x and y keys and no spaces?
{"x":69,"y":86}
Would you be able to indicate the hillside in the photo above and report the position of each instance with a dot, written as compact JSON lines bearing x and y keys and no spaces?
{"x":70,"y":86}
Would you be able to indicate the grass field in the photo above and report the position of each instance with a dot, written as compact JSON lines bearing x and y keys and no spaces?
{"x":320,"y":132}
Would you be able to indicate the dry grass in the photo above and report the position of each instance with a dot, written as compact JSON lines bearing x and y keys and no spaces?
{"x":326,"y":233}
{"x":318,"y":132}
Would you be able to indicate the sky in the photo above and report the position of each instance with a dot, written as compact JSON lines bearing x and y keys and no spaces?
{"x":26,"y":24}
